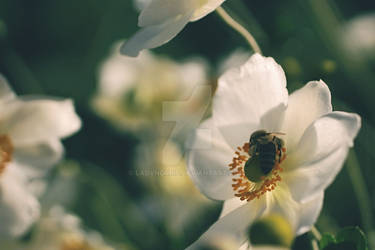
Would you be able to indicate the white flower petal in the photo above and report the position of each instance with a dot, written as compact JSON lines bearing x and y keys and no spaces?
{"x":205,"y":9}
{"x":268,"y":248}
{"x":235,"y":135}
{"x":155,"y":35}
{"x":245,"y":94}
{"x":34,"y":121}
{"x":273,"y":119}
{"x":18,"y":208}
{"x":245,"y":246}
{"x":35,"y":160}
{"x":309,"y":213}
{"x":6,"y":93}
{"x":300,"y":215}
{"x":208,"y":161}
{"x":321,"y":153}
{"x":280,"y":202}
{"x":141,"y":4}
{"x":159,"y":11}
{"x":313,"y":178}
{"x":230,"y":205}
{"x":235,"y":223}
{"x":305,"y":106}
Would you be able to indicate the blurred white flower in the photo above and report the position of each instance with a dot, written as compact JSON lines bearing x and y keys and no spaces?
{"x":59,"y":230}
{"x":141,"y":4}
{"x":161,"y":20}
{"x":266,"y":248}
{"x":174,"y":198}
{"x":316,"y":141}
{"x":358,"y":36}
{"x":138,"y":93}
{"x":30,"y":133}
{"x":237,"y":58}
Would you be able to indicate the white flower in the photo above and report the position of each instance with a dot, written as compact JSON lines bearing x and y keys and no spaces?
{"x":358,"y":36}
{"x":133,"y":92}
{"x":174,"y":198}
{"x":235,"y":59}
{"x":58,"y":230}
{"x":161,"y":20}
{"x":30,"y":133}
{"x":317,"y":140}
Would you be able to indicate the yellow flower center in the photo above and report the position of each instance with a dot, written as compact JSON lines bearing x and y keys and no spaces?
{"x":6,"y":151}
{"x":251,"y":182}
{"x":74,"y":242}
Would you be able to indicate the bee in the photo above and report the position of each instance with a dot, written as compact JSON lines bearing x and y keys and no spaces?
{"x":265,"y":150}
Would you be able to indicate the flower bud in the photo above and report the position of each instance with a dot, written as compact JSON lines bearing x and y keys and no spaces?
{"x":271,"y":230}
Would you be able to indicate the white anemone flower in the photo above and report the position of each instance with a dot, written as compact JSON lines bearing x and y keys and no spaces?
{"x":133,"y":92}
{"x":30,"y":133}
{"x":358,"y":36}
{"x":161,"y":20}
{"x":58,"y":229}
{"x":316,"y":141}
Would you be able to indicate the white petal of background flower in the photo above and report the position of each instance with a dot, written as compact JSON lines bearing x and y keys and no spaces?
{"x":6,"y":93}
{"x":33,"y":121}
{"x":36,"y":159}
{"x":18,"y":206}
{"x":205,"y":7}
{"x":30,"y":128}
{"x":141,"y":4}
{"x":118,"y":73}
{"x":153,"y":36}
{"x":161,"y":20}
{"x":158,"y":11}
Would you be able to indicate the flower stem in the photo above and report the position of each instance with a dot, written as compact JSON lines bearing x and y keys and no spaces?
{"x":240,"y":29}
{"x":360,"y":191}
{"x":314,"y":245}
{"x":316,"y":233}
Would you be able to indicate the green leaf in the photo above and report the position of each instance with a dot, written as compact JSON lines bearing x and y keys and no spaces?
{"x":351,"y":238}
{"x":327,"y":239}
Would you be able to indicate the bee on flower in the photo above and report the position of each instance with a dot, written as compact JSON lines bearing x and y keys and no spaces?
{"x":266,"y":152}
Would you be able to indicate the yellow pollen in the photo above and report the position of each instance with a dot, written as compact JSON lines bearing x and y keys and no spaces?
{"x":6,"y":151}
{"x":72,"y":242}
{"x":243,"y":187}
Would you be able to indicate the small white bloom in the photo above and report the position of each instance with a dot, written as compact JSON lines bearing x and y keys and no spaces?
{"x":133,"y":92}
{"x":358,"y":36}
{"x":58,"y":230}
{"x":30,"y":133}
{"x":162,"y":168}
{"x":161,"y":20}
{"x":316,"y":141}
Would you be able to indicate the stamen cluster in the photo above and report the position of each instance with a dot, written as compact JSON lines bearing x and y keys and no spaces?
{"x":243,"y":187}
{"x":6,"y":151}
